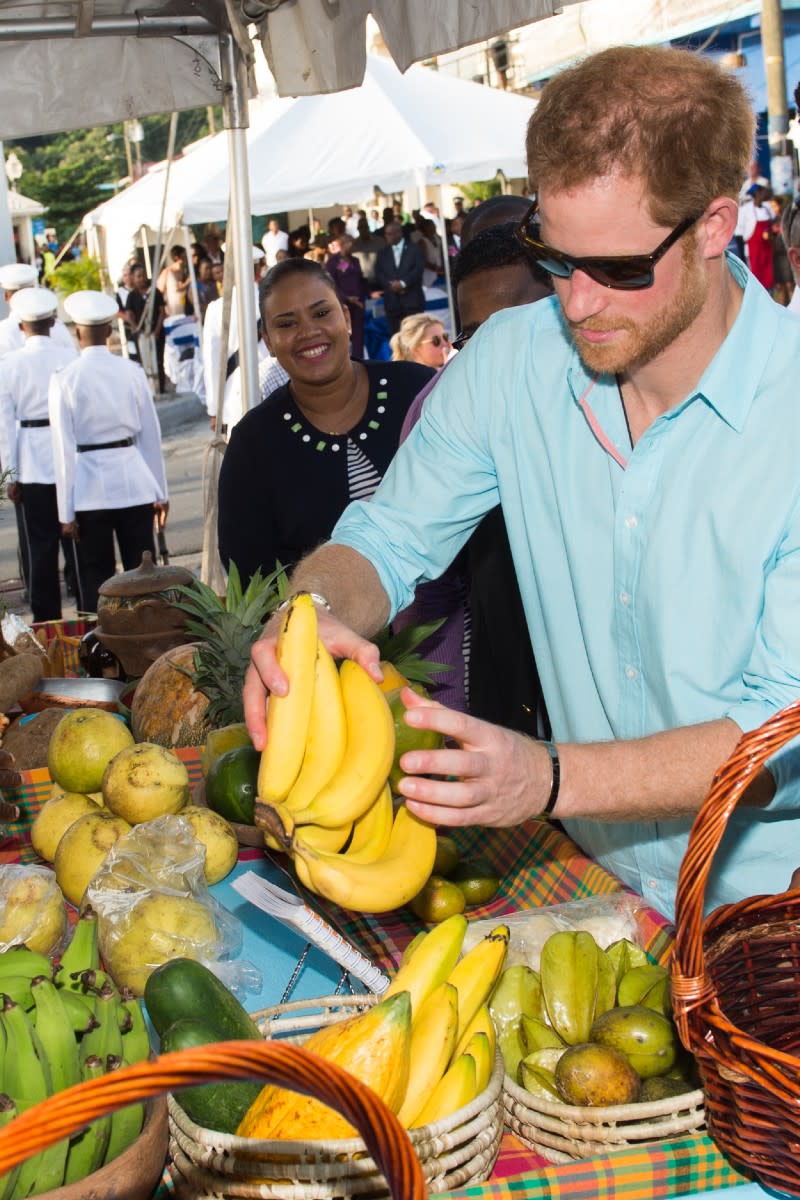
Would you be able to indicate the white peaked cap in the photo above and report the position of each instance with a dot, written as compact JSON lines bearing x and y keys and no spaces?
{"x":34,"y":304}
{"x":90,"y":308}
{"x":17,"y":275}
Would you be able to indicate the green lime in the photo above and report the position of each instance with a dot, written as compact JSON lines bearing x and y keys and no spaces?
{"x":406,"y":738}
{"x":447,"y":855}
{"x":438,"y":900}
{"x":232,"y":784}
{"x":477,"y":879}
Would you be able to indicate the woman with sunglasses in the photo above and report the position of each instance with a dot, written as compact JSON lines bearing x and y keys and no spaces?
{"x":324,"y":438}
{"x":421,"y":339}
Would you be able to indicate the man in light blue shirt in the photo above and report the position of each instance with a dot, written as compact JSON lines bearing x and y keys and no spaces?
{"x":641,"y":431}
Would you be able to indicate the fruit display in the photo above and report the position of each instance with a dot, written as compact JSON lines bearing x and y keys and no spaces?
{"x":59,"y":1026}
{"x":32,"y":910}
{"x":83,"y":849}
{"x":591,"y":1027}
{"x":323,"y":793}
{"x":145,"y":781}
{"x":81,"y":747}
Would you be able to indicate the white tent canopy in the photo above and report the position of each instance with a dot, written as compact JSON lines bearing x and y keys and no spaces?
{"x":395,"y":131}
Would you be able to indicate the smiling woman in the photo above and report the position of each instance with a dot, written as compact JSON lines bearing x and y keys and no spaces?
{"x":325,"y":438}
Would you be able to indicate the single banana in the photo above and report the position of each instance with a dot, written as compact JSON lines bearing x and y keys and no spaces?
{"x":18,"y":987}
{"x":372,"y":830}
{"x":329,"y":840}
{"x":54,"y":1027}
{"x":105,"y":1038}
{"x":433,"y":1038}
{"x":87,"y":1149}
{"x":126,"y":1123}
{"x":79,"y":1009}
{"x":380,"y":886}
{"x":28,"y":1081}
{"x":433,"y":959}
{"x":136,"y":1042}
{"x":368,"y":757}
{"x":413,"y":946}
{"x":476,"y":973}
{"x":8,"y":1182}
{"x":457,"y":1087}
{"x":20,"y":961}
{"x":479,"y":1048}
{"x":481,"y":1023}
{"x":288,"y":716}
{"x":326,"y":741}
{"x":82,"y":953}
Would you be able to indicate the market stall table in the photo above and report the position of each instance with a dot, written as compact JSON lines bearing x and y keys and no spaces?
{"x":538,"y":866}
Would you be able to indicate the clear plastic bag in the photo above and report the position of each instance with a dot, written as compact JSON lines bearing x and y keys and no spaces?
{"x":607,"y":918}
{"x":32,"y":909}
{"x":154,"y":905}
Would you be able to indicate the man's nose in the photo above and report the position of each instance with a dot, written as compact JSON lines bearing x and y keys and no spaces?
{"x":581,"y":297}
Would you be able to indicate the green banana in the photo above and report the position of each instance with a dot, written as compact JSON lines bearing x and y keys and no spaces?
{"x":19,"y":960}
{"x":18,"y":987}
{"x":136,"y":1042}
{"x":87,"y":1149}
{"x":105,"y":1038}
{"x":28,"y":1081}
{"x":126,"y":1123}
{"x":570,"y":971}
{"x":94,"y":980}
{"x":54,"y":1027}
{"x":81,"y":954}
{"x":80,"y":1010}
{"x":8,"y":1182}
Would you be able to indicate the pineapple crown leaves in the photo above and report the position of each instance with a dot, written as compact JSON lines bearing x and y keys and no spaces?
{"x":226,"y":627}
{"x":400,"y":650}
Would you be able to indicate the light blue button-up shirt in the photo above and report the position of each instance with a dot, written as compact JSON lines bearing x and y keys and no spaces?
{"x":659,"y":594}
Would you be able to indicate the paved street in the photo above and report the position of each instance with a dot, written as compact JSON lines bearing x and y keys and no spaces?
{"x":183,"y":454}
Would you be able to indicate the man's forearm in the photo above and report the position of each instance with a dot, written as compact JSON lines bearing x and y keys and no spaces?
{"x":660,"y":777}
{"x":349,"y":583}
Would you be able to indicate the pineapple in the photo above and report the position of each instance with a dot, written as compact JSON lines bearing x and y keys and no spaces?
{"x":226,"y":629}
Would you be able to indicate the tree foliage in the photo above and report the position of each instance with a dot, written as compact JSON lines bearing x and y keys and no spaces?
{"x":70,"y":173}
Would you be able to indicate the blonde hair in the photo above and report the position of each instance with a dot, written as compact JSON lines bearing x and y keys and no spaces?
{"x":411,"y":332}
{"x":673,"y":118}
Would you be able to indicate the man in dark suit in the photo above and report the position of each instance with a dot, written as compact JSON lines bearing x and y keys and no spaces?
{"x":398,"y":273}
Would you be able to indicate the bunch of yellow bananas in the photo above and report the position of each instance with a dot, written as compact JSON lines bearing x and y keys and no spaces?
{"x":323,"y":795}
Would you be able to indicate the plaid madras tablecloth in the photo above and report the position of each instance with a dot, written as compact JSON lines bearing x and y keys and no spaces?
{"x":538,"y":866}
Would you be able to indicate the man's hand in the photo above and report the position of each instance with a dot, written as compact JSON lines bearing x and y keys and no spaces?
{"x":397,"y":285}
{"x":14,"y":492}
{"x":501,"y":777}
{"x":264,"y":674}
{"x":161,"y":508}
{"x":70,"y":530}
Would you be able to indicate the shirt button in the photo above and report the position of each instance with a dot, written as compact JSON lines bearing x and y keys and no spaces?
{"x":624,"y":598}
{"x":653,"y":884}
{"x":631,"y":672}
{"x":631,"y":522}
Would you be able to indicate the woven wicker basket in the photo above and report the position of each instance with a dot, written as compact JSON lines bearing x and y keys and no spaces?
{"x":564,"y":1132}
{"x":273,"y":1062}
{"x":458,"y":1150}
{"x":736,"y":985}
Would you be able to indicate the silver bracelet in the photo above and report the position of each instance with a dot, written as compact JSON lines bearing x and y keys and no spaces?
{"x":315,"y":596}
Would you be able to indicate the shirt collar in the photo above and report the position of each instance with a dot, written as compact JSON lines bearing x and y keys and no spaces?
{"x":731,"y":380}
{"x":95,"y":350}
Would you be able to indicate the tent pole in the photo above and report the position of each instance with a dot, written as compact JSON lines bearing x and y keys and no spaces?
{"x":234,"y":77}
{"x":187,"y":237}
{"x":148,"y":266}
{"x":446,"y":261}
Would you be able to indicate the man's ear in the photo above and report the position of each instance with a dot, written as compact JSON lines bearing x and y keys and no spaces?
{"x":793,"y":254}
{"x":717,"y":226}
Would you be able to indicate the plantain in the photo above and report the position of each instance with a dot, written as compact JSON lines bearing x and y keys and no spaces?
{"x":82,"y":953}
{"x":126,"y":1123}
{"x":288,"y":716}
{"x":569,"y":971}
{"x":475,"y":975}
{"x":379,"y":886}
{"x":457,"y":1087}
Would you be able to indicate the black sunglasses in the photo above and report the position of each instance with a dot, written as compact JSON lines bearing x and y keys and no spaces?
{"x":628,"y":272}
{"x":459,"y":342}
{"x":438,"y":339}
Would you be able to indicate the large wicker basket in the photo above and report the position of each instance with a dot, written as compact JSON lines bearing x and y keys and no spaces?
{"x":562,"y":1133}
{"x":453,"y":1152}
{"x":736,"y":986}
{"x":275,"y":1062}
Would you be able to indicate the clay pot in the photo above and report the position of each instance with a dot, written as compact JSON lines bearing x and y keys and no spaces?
{"x":137,"y":614}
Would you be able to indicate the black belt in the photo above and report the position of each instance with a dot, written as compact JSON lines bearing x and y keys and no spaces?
{"x":38,"y":424}
{"x":106,"y":445}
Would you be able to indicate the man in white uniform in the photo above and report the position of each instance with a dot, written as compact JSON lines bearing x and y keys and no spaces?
{"x":26,"y":442}
{"x":274,"y":239}
{"x":110,"y":475}
{"x":13,"y":277}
